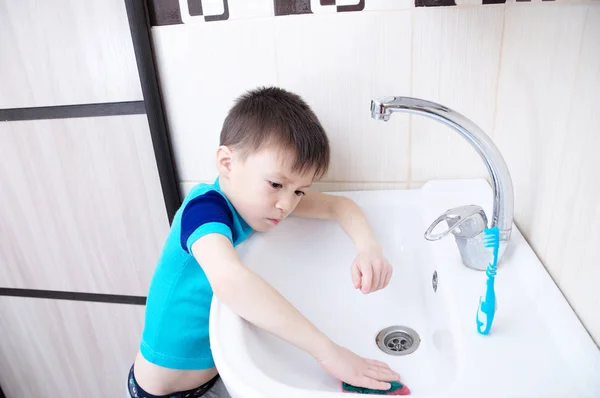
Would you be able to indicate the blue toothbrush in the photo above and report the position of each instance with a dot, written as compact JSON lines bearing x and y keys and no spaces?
{"x":491,"y":240}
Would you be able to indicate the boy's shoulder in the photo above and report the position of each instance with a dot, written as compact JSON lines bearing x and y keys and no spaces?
{"x":206,"y":197}
{"x":205,"y":204}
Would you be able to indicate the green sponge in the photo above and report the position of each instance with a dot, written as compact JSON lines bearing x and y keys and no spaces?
{"x":397,"y":388}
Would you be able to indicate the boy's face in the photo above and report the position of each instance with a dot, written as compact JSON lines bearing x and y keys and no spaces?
{"x":263,"y":188}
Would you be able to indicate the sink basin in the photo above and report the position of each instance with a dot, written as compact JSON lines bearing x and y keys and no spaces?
{"x":537,"y":346}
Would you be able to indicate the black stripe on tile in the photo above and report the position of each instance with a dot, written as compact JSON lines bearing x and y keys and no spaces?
{"x":494,"y":1}
{"x":73,"y":296}
{"x":327,"y":2}
{"x":355,"y":7}
{"x":195,"y":7}
{"x":292,"y":7}
{"x":222,"y":17}
{"x":164,"y":12}
{"x":70,"y":111}
{"x":140,"y":35}
{"x":434,"y":3}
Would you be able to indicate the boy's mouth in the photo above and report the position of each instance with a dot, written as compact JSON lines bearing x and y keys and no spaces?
{"x":274,"y":221}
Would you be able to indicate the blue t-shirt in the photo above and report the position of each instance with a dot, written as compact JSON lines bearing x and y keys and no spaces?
{"x":177,"y":309}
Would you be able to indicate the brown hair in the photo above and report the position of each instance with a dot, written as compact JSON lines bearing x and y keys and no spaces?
{"x":272,"y":115}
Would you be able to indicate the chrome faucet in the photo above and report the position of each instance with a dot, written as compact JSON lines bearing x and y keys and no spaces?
{"x":466,"y":223}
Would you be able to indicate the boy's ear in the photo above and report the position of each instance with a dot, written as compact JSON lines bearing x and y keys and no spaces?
{"x":224,"y":160}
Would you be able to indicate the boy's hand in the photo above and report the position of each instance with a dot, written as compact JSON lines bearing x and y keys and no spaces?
{"x":357,"y":371}
{"x":371,"y":271}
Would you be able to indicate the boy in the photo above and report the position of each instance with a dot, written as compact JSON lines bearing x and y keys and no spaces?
{"x":272,"y":147}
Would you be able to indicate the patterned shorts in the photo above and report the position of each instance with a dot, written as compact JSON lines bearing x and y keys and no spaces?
{"x":135,"y":391}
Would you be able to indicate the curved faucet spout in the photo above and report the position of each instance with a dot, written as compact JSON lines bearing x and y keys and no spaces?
{"x":502,"y":217}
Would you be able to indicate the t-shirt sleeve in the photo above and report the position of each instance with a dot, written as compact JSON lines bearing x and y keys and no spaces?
{"x":206,"y":214}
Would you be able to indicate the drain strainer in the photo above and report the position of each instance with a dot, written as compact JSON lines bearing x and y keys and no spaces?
{"x":398,"y":340}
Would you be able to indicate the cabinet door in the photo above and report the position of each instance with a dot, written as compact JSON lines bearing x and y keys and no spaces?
{"x":67,"y":349}
{"x":81,"y":205}
{"x":63,"y":52}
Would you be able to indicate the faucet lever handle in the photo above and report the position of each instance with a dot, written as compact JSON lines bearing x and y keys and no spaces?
{"x":473,"y":215}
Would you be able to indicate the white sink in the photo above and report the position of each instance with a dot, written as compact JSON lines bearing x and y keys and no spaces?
{"x":537,"y":346}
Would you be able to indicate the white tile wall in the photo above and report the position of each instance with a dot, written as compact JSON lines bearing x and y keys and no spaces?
{"x":338,"y":63}
{"x":540,"y":53}
{"x":203,"y":68}
{"x":456,"y":57}
{"x":97,"y":65}
{"x":186,"y":186}
{"x":371,"y":5}
{"x":547,"y":128}
{"x":255,"y":8}
{"x":573,"y":236}
{"x":357,"y":186}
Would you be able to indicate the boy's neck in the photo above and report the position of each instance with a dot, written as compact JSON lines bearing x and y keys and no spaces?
{"x":223,"y":185}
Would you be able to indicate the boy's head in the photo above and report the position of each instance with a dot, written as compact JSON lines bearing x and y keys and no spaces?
{"x":272,"y":147}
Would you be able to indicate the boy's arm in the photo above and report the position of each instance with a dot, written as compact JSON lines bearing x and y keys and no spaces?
{"x":344,"y":211}
{"x":370,"y":270}
{"x":252,"y":298}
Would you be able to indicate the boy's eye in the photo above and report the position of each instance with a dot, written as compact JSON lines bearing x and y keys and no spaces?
{"x":275,"y":185}
{"x":299,"y":193}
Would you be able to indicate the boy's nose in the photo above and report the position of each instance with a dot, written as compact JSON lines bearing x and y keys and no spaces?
{"x":283,"y":205}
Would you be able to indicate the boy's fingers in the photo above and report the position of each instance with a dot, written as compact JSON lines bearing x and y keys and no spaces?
{"x":381,"y":375}
{"x":378,"y":363}
{"x":379,"y":278}
{"x":384,"y":371}
{"x":376,"y":277}
{"x":374,"y":384}
{"x":367,"y":278}
{"x":382,"y":280}
{"x":373,"y":363}
{"x":355,"y":275}
{"x":388,"y":276}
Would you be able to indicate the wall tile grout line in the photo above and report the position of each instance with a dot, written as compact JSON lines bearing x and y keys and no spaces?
{"x":73,"y":111}
{"x":493,"y":132}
